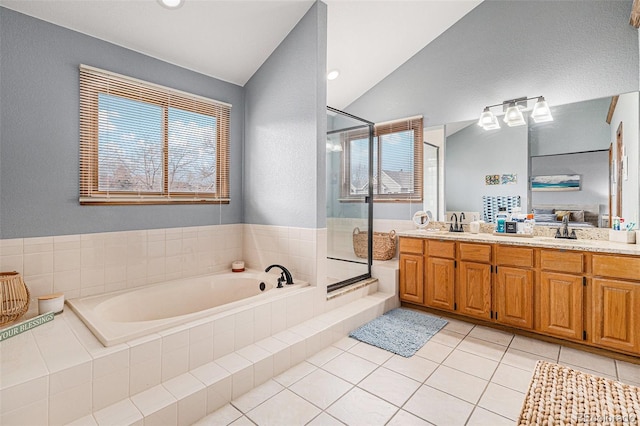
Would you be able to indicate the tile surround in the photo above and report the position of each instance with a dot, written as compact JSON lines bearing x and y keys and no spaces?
{"x":100,"y":380}
{"x":90,"y":264}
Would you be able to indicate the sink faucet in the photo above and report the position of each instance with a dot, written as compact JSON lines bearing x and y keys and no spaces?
{"x":563,"y":231}
{"x":565,"y":225}
{"x":285,"y":275}
{"x":453,"y":228}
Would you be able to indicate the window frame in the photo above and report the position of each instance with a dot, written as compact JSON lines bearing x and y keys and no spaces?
{"x":93,"y":82}
{"x":381,"y":129}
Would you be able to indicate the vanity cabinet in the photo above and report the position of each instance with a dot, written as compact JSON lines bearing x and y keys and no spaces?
{"x":615,"y":310}
{"x":561,"y":295}
{"x":474,"y":281}
{"x":581,"y":296}
{"x":514,"y":286}
{"x":412,"y":270}
{"x":440,"y":275}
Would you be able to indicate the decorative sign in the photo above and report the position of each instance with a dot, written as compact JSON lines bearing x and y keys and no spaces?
{"x":25,"y":326}
{"x":492,"y":180}
{"x":556,"y":183}
{"x":509,"y":179}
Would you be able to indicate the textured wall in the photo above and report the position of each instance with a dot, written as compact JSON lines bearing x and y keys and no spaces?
{"x":285,"y":125}
{"x":39,"y":132}
{"x":568,"y":51}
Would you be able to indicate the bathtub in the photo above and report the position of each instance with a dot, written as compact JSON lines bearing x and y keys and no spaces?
{"x":128,"y":314}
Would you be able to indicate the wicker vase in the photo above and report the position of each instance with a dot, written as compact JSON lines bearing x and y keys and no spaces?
{"x":14,"y":297}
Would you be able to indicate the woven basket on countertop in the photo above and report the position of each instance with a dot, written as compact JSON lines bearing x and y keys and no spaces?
{"x":14,"y":297}
{"x":384,"y":244}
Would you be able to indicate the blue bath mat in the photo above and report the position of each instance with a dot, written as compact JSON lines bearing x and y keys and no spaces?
{"x":401,"y":331}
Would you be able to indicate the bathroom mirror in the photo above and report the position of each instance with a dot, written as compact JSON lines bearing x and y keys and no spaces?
{"x":500,"y":163}
{"x":421,"y":219}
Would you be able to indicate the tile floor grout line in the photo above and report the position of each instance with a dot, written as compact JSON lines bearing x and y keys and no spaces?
{"x":488,"y":383}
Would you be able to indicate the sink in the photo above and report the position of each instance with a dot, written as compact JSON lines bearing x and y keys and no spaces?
{"x":565,"y":241}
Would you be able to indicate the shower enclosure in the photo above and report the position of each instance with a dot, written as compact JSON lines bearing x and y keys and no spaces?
{"x":349,"y":198}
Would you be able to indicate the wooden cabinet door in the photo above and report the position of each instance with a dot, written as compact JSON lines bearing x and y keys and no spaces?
{"x":561,"y":305}
{"x":411,"y":278}
{"x":615,"y":314}
{"x":474,"y":289}
{"x":439,"y":289}
{"x":514,"y":297}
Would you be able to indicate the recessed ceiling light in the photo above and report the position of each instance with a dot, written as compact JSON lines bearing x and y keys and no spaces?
{"x":333,"y":74}
{"x":171,"y":4}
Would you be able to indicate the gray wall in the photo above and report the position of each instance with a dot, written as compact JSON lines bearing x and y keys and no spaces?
{"x":580,"y":126}
{"x":593,"y":168}
{"x":567,"y":51}
{"x":472,"y":153}
{"x":39,"y":132}
{"x":285,"y":130}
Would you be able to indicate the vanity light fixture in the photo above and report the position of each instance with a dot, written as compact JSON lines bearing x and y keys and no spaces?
{"x":487,"y":120}
{"x":171,"y":4}
{"x":513,"y":116}
{"x":541,"y":111}
{"x":513,"y":113}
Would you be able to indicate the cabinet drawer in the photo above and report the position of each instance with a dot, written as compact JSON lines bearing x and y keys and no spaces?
{"x":616,"y":266}
{"x":475,"y":252}
{"x":562,"y":261}
{"x":441,"y":249}
{"x":514,"y":256}
{"x":411,"y":245}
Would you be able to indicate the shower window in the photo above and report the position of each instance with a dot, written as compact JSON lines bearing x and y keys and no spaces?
{"x":397,"y":162}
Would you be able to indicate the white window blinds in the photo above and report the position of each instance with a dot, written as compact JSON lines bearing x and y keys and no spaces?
{"x":142,"y":143}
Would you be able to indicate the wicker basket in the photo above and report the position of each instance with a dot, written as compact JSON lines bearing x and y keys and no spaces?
{"x":14,"y":297}
{"x":384,"y":244}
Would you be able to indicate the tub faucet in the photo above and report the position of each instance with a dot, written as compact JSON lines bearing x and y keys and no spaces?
{"x":285,"y":275}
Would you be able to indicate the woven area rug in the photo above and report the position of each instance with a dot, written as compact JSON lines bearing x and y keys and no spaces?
{"x":559,"y":395}
{"x":401,"y":331}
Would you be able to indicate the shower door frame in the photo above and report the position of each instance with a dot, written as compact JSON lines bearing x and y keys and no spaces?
{"x":367,"y":200}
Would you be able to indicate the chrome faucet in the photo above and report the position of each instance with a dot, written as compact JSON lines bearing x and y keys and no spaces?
{"x":285,"y":275}
{"x":563,"y":231}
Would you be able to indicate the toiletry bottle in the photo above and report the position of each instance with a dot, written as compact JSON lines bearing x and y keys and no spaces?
{"x":501,"y":218}
{"x":616,"y":223}
{"x":529,"y":223}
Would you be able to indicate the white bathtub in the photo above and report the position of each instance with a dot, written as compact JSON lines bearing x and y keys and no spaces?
{"x":124,"y":315}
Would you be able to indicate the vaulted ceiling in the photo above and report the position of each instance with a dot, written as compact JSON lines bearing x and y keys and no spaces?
{"x":229,"y":40}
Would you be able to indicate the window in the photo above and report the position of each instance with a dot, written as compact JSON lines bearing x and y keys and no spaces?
{"x":142,"y":143}
{"x":397,"y":162}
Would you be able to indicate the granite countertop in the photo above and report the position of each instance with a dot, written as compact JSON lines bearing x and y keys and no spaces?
{"x":599,"y":246}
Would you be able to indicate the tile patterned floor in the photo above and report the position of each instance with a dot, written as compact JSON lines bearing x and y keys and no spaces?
{"x":465,"y":375}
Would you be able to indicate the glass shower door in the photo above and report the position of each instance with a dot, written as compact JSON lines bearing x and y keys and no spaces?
{"x":349,"y":201}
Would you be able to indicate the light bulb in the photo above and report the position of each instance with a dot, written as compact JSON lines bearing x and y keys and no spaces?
{"x":488,"y":121}
{"x":541,"y":111}
{"x":513,"y":117}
